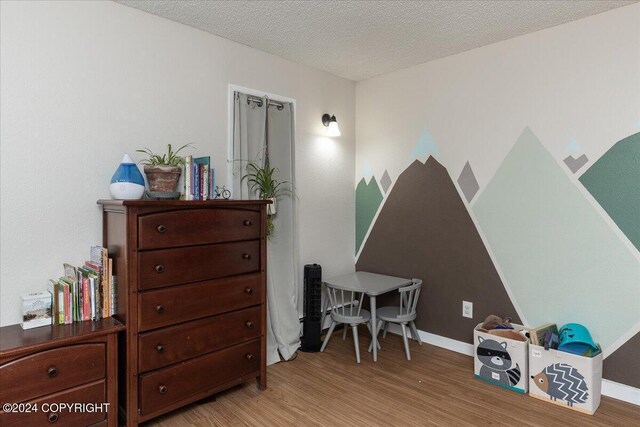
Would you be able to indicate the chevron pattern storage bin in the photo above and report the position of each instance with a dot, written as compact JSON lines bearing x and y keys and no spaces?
{"x":565,"y":379}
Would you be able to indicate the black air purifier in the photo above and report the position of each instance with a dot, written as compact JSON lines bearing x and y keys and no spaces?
{"x":311,"y":327}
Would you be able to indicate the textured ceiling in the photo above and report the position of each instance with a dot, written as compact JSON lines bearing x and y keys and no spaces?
{"x":361,"y":39}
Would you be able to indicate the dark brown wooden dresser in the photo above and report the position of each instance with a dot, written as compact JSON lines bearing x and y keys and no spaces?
{"x":191,"y":288}
{"x":42,"y":368}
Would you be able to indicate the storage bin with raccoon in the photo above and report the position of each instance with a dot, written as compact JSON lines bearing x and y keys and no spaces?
{"x":500,"y":360}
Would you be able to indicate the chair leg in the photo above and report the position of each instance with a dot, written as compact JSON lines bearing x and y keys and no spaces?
{"x":355,"y":341}
{"x":406,"y":341}
{"x":386,"y":326}
{"x":344,"y":332}
{"x":414,"y":332}
{"x":325,"y":307}
{"x":326,"y":339}
{"x":378,"y":327}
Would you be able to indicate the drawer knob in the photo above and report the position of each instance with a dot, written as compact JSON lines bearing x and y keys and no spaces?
{"x":53,"y":417}
{"x":162,"y":389}
{"x":246,"y":256}
{"x":160,"y":308}
{"x":248,"y":291}
{"x":160,"y":348}
{"x":159,"y":268}
{"x":52,"y":372}
{"x":161,"y":228}
{"x":249,"y":356}
{"x":249,"y":324}
{"x":247,"y":223}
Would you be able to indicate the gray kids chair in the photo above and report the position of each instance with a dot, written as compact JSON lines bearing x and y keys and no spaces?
{"x":346,"y":308}
{"x":404,"y":315}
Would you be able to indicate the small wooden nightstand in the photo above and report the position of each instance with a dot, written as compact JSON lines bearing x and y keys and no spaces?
{"x":60,"y":364}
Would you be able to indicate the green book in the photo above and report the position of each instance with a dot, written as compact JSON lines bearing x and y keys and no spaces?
{"x":55,"y":303}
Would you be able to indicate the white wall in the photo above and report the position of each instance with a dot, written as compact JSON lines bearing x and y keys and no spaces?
{"x":83,"y":83}
{"x":578,"y":81}
{"x":576,"y":84}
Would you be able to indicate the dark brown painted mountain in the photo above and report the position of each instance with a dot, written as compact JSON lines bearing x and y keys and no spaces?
{"x":424,"y":230}
{"x":623,"y":366}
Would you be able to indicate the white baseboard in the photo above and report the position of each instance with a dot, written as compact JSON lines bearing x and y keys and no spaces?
{"x":439,"y":341}
{"x":609,"y":388}
{"x":621,"y":392}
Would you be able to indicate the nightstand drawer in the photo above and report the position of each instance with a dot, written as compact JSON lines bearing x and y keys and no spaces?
{"x":164,"y":307}
{"x":49,"y":371}
{"x":174,"y":344}
{"x":165,"y":267}
{"x":50,"y":413}
{"x":197,"y":226}
{"x":201,"y":375}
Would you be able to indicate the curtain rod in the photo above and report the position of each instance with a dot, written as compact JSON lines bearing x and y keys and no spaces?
{"x":258,"y":100}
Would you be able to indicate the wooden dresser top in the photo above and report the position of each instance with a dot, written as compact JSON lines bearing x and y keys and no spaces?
{"x":14,"y":339}
{"x":180,"y":203}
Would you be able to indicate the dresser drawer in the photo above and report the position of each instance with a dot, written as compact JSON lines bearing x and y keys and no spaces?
{"x":177,"y":304}
{"x":50,"y":371}
{"x":165,"y":267}
{"x":197,"y":226}
{"x":50,"y":413}
{"x":200,"y":375}
{"x":177,"y":343}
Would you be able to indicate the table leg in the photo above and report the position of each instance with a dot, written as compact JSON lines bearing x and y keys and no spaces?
{"x":374,"y":327}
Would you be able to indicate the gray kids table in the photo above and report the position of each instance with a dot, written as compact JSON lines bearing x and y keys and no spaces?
{"x":371,"y":284}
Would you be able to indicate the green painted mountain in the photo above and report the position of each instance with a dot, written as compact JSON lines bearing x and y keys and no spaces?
{"x":614,"y":181}
{"x":424,"y":230}
{"x":368,"y":199}
{"x":561,"y":260}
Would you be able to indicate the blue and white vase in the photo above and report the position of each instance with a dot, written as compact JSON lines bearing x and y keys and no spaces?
{"x":127,"y":183}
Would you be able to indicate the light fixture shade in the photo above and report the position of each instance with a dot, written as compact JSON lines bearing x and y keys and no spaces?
{"x":330,"y":122}
{"x":333,"y":129}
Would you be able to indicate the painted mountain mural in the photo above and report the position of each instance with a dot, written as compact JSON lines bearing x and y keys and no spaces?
{"x":614,"y":181}
{"x":368,"y":199}
{"x":560,"y":258}
{"x":424,"y":230}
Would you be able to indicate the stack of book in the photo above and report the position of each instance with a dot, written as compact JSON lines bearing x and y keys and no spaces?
{"x":199,"y":179}
{"x":86,"y":292}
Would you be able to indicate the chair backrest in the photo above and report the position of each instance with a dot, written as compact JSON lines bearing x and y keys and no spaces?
{"x":346,"y":306}
{"x":409,"y":299}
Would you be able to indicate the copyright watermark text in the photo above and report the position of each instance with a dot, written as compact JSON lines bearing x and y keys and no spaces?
{"x":55,"y":407}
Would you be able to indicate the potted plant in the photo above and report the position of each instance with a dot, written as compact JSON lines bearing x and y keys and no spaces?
{"x":263,"y":181}
{"x":163,"y":171}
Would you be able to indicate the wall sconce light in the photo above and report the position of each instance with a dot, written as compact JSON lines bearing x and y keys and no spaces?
{"x":331,"y":124}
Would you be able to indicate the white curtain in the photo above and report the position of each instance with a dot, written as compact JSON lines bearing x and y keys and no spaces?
{"x":264,"y":132}
{"x":249,"y":141}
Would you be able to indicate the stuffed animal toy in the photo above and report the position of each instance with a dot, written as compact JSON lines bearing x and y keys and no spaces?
{"x":494,"y":322}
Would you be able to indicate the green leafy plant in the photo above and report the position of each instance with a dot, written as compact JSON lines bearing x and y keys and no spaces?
{"x":263,"y":181}
{"x":170,"y":159}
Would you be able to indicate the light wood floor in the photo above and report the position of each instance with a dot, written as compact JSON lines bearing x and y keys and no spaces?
{"x":436,"y":388}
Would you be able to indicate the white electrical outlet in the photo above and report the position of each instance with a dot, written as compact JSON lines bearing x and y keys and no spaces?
{"x":467,"y":309}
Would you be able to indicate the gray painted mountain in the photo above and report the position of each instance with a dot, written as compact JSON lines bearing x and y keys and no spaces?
{"x":574,"y":164}
{"x":623,"y":365}
{"x":385,"y":181}
{"x":424,"y":230}
{"x":468,"y":182}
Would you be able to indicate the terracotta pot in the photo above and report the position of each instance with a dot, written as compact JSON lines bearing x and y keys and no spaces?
{"x":162,"y":178}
